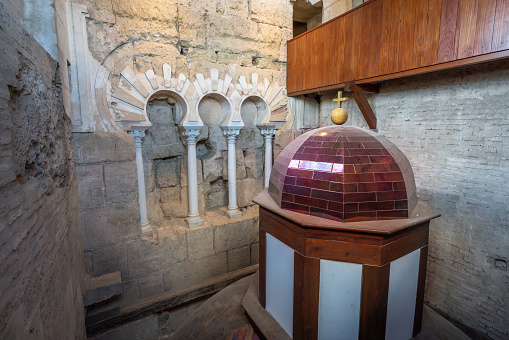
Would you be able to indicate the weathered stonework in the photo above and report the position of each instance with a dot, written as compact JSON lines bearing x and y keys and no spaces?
{"x":41,"y":262}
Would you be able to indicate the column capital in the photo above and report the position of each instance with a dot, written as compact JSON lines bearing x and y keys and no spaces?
{"x":191,"y":136}
{"x":268,"y":130}
{"x":231,"y":134}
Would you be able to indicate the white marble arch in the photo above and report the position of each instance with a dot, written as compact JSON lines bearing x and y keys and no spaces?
{"x":262,"y":115}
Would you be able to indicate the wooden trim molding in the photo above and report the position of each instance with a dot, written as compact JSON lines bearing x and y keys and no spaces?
{"x":374,"y":296}
{"x":263,"y":267}
{"x":306,"y":297}
{"x":419,"y":304}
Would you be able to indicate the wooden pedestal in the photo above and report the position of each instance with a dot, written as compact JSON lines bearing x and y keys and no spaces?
{"x":373,"y":271}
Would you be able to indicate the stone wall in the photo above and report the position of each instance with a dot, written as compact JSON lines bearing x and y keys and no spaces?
{"x":454,"y":129}
{"x":41,"y":259}
{"x":237,"y":37}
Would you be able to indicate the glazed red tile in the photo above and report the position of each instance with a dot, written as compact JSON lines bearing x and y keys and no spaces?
{"x":312,"y":144}
{"x":389,"y":177}
{"x":335,"y":206}
{"x":334,"y":186}
{"x":366,"y":177}
{"x":373,"y":145}
{"x":381,"y":159}
{"x":360,"y":168}
{"x":327,"y":195}
{"x":326,"y":214}
{"x":394,"y":167}
{"x":350,"y":187}
{"x":292,"y":189}
{"x":313,"y":183}
{"x":357,"y":159}
{"x":287,"y":197}
{"x":300,"y":173}
{"x":328,"y":176}
{"x":353,"y":145}
{"x":305,"y":156}
{"x":295,"y":207}
{"x":359,"y":197}
{"x":290,"y":180}
{"x":375,"y":206}
{"x":399,"y":186}
{"x":400,"y":205}
{"x":349,"y":169}
{"x":367,"y":152}
{"x":310,"y":202}
{"x":374,"y":187}
{"x":340,"y":152}
{"x":329,"y":158}
{"x":351,"y":207}
{"x":391,"y":195}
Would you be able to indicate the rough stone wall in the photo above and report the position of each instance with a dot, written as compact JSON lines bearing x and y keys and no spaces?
{"x":41,"y":259}
{"x":238,"y":37}
{"x":454,"y":129}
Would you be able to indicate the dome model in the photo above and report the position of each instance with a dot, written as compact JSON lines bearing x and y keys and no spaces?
{"x":344,"y":174}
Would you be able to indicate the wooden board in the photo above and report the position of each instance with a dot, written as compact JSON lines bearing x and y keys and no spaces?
{"x":374,"y":297}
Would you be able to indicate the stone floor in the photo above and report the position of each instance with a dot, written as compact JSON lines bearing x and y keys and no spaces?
{"x":223,"y":317}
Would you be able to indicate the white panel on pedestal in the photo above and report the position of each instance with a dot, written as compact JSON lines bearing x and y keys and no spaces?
{"x":279,"y":283}
{"x":403,"y":279}
{"x":340,"y":300}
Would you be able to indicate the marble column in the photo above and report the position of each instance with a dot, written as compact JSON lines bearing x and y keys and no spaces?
{"x":193,"y":218}
{"x":138,"y":135}
{"x":233,"y":209}
{"x":268,"y":131}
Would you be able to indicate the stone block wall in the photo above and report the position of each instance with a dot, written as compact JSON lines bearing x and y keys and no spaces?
{"x":182,"y":256}
{"x":41,"y":258}
{"x":453,"y":127}
{"x":237,"y":37}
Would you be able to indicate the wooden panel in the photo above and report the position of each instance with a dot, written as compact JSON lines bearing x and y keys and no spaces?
{"x":406,"y":54}
{"x":306,"y":297}
{"x":340,"y":74}
{"x":501,"y":28}
{"x":432,"y":31}
{"x":356,"y":43}
{"x":263,"y":266}
{"x":385,"y":42}
{"x":484,"y":26}
{"x":344,"y":251}
{"x":291,"y":67}
{"x":375,"y":291}
{"x":448,"y":21}
{"x":465,"y":28}
{"x":421,"y":282}
{"x":332,"y":57}
{"x":285,"y":231}
{"x":394,"y":250}
{"x":349,"y":60}
{"x":300,"y":53}
{"x":395,"y":36}
{"x":364,"y":35}
{"x":421,"y":12}
{"x":376,"y":35}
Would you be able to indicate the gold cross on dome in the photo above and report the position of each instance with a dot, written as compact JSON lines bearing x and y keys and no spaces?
{"x":340,"y":99}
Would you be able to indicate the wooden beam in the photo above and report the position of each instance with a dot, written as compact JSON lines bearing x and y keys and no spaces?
{"x":370,"y":88}
{"x":362,"y":102}
{"x":101,"y":322}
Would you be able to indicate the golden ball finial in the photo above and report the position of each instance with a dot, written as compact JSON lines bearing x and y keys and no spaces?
{"x":339,"y":116}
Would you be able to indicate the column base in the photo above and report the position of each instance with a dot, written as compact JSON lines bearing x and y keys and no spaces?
{"x":146,"y":228}
{"x":233,"y":213}
{"x":194,"y":221}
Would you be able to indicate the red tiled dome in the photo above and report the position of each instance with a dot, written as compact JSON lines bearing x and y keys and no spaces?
{"x":345,"y":174}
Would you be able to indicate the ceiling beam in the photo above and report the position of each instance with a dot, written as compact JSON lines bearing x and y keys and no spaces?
{"x":362,"y":102}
